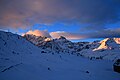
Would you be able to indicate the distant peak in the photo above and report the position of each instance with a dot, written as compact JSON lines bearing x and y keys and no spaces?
{"x":62,"y":37}
{"x":117,"y":40}
{"x":109,"y":43}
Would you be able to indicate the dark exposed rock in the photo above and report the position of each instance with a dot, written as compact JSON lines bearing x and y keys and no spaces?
{"x":87,"y":72}
{"x":43,"y":52}
{"x":62,"y":37}
{"x":116,"y":66}
{"x":49,"y":69}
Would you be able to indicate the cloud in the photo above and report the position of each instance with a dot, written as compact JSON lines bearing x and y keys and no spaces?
{"x":43,"y":33}
{"x":70,"y":36}
{"x":77,"y":36}
{"x":108,"y":33}
{"x":24,"y":13}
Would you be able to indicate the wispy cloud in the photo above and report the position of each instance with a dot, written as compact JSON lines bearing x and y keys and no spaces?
{"x":70,"y":36}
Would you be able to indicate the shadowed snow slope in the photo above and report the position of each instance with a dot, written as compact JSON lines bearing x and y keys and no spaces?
{"x":21,"y":60}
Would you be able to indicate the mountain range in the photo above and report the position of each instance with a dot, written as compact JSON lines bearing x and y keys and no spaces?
{"x":107,"y":49}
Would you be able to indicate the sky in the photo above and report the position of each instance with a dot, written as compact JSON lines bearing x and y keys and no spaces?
{"x":74,"y":19}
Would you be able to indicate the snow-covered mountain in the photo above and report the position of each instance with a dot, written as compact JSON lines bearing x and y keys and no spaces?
{"x":108,"y":48}
{"x":109,"y":43}
{"x":36,"y":39}
{"x":60,"y":44}
{"x":20,"y":59}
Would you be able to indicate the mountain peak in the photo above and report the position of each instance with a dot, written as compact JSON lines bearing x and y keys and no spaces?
{"x":109,"y":43}
{"x":62,"y":37}
{"x":117,"y":40}
{"x":36,"y":39}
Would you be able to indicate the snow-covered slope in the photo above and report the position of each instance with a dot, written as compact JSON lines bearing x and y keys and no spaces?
{"x":21,"y":60}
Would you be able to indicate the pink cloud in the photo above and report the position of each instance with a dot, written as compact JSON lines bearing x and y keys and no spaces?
{"x":43,"y":33}
{"x":70,"y":36}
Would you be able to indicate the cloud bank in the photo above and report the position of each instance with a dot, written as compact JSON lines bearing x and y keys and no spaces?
{"x":93,"y":13}
{"x":70,"y":36}
{"x":77,"y":36}
{"x":24,"y":13}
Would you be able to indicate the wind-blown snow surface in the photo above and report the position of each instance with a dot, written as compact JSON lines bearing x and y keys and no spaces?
{"x":21,"y":60}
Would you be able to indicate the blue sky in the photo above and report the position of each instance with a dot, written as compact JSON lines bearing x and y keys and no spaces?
{"x":74,"y":19}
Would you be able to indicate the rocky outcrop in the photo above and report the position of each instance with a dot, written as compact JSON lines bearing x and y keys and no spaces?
{"x":116,"y":66}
